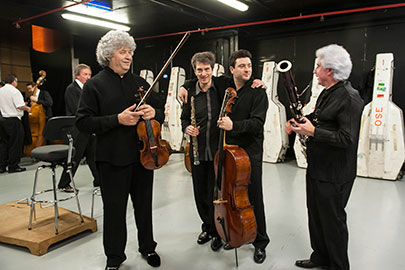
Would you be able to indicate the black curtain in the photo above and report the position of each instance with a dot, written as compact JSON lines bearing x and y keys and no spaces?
{"x":58,"y":68}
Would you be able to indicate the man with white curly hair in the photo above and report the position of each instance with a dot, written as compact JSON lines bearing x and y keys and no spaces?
{"x":333,"y":132}
{"x":106,"y":108}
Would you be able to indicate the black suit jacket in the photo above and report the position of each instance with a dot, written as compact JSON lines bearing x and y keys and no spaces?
{"x":104,"y":97}
{"x":72,"y":97}
{"x":332,"y":151}
{"x":44,"y":99}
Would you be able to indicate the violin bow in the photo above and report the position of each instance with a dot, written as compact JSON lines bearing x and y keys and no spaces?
{"x":146,"y":95}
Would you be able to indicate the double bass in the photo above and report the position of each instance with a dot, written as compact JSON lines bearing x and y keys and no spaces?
{"x":234,"y":217}
{"x":36,"y":119}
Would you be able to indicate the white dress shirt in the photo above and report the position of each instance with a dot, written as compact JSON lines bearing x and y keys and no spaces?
{"x":79,"y":83}
{"x":10,"y":99}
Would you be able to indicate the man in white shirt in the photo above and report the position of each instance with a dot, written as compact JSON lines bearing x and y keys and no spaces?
{"x":11,"y":107}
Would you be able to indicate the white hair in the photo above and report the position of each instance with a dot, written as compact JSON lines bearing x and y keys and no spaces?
{"x":337,"y":58}
{"x":79,"y":69}
{"x":110,"y":42}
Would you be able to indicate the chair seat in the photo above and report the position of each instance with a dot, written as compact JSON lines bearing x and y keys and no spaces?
{"x":52,"y":153}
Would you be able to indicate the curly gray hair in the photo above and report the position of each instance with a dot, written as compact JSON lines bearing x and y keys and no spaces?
{"x":110,"y":42}
{"x":337,"y":58}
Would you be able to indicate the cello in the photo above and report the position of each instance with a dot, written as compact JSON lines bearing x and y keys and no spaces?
{"x":187,"y":159}
{"x":234,"y":217}
{"x":36,"y":119}
{"x":154,"y":153}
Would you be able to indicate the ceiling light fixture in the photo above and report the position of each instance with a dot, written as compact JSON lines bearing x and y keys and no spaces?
{"x":101,"y":4}
{"x":235,"y":4}
{"x":83,"y":19}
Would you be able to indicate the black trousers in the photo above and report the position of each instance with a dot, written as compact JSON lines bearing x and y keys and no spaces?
{"x":117,"y":182}
{"x":203,"y":184}
{"x":255,"y":191}
{"x":3,"y":133}
{"x":11,"y":148}
{"x":328,"y":231}
{"x":85,"y":146}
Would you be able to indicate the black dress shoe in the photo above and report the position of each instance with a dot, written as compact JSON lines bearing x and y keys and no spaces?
{"x":203,"y":238}
{"x":112,"y":267}
{"x":228,"y":246}
{"x":216,"y":243}
{"x":3,"y":170}
{"x":308,"y":264}
{"x":68,"y":189}
{"x":16,"y":169}
{"x":259,"y":255}
{"x":152,"y":258}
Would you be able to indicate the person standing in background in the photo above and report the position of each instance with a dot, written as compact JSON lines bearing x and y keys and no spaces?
{"x":41,"y":97}
{"x":84,"y":143}
{"x":3,"y":134}
{"x":12,"y":106}
{"x":82,"y":73}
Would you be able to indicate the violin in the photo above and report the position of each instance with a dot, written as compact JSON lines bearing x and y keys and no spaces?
{"x":154,"y":153}
{"x":234,"y":217}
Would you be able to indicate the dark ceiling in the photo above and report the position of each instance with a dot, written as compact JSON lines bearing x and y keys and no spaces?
{"x":155,"y":17}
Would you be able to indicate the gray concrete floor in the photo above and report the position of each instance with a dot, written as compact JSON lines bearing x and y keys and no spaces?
{"x":376,"y":218}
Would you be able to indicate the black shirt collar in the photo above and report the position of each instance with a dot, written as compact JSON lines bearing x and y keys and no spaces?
{"x":109,"y":70}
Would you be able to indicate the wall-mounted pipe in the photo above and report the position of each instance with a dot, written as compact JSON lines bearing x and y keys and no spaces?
{"x":355,"y":10}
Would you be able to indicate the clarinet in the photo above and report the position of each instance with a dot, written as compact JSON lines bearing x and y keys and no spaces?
{"x":284,"y":68}
{"x":194,"y":138}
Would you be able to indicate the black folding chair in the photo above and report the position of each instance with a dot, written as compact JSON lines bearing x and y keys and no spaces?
{"x":57,"y":128}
